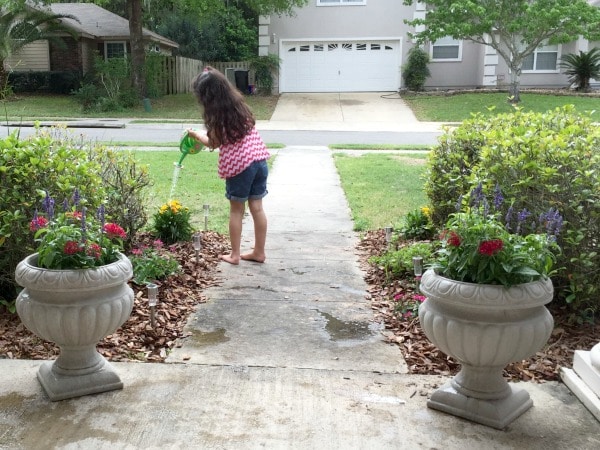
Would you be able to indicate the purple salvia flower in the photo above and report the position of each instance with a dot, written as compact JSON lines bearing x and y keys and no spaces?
{"x":101,"y":217}
{"x":48,"y":206}
{"x":65,"y":205}
{"x":477,"y":195}
{"x":76,"y":198}
{"x":498,"y":197}
{"x":521,"y":218}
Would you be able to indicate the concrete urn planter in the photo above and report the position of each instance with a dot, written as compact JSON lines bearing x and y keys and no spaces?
{"x":75,"y":309}
{"x":484,"y":327}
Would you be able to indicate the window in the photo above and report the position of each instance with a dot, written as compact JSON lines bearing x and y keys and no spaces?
{"x":114,"y":50}
{"x":543,"y":59}
{"x":340,"y":2}
{"x":446,"y":49}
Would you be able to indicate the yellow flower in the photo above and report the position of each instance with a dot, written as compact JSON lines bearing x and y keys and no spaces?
{"x":426,"y":210}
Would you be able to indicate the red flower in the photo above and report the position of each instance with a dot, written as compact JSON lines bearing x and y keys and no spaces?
{"x":37,"y":223}
{"x":490,"y":248}
{"x":94,"y":250}
{"x":71,"y":247}
{"x":113,"y":230}
{"x":452,"y":238}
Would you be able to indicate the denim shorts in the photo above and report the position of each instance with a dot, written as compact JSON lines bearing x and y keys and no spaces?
{"x":250,"y":184}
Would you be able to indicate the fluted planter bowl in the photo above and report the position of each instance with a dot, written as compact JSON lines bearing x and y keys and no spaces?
{"x":75,"y":309}
{"x":484,"y":327}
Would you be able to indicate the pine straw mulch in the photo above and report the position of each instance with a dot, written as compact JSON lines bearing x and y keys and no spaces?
{"x":180,"y":294}
{"x":422,"y":357}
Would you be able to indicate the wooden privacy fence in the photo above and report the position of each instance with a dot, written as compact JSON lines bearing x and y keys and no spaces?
{"x":175,"y":73}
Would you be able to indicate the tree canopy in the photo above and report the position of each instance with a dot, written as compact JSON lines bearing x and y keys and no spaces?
{"x":514,"y":28}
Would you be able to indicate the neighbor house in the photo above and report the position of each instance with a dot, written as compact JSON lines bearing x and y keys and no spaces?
{"x":361,"y":45}
{"x":98,"y":32}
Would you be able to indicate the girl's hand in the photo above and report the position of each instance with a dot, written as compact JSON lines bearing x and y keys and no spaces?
{"x":202,"y":137}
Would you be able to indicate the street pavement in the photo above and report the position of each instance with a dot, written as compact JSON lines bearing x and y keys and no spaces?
{"x":283,"y":355}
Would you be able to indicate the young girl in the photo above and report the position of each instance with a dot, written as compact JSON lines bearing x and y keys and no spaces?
{"x":242,"y":157}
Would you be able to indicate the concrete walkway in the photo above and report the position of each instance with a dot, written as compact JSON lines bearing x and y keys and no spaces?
{"x":284,"y":355}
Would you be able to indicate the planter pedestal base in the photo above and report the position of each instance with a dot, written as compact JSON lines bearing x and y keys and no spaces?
{"x":59,"y":384}
{"x":492,"y":413}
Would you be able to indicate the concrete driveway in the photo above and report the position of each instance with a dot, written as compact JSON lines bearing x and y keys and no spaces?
{"x":351,"y":111}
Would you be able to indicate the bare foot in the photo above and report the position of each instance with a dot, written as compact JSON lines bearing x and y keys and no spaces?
{"x":254,"y":257}
{"x":230,"y":259}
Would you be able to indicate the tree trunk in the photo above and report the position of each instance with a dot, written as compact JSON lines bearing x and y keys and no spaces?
{"x":3,"y":81}
{"x":138,"y":54}
{"x":515,"y":81}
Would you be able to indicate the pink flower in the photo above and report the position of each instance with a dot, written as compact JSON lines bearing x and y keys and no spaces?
{"x":113,"y":230}
{"x":94,"y":250}
{"x":37,"y":223}
{"x":419,"y":298}
{"x":158,"y":244}
{"x":137,"y":252}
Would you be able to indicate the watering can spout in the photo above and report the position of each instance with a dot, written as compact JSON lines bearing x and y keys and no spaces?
{"x":188,"y":145}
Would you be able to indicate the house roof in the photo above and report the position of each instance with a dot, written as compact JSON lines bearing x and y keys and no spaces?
{"x":99,"y":23}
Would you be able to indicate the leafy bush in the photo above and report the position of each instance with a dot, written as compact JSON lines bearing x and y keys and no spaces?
{"x":542,"y":161}
{"x":126,"y":183}
{"x":172,"y":223}
{"x":415,"y":72}
{"x":399,"y":262}
{"x":56,"y":82}
{"x":152,"y":263}
{"x":264,"y":67}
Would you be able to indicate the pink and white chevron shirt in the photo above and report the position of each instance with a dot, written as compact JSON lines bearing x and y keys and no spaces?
{"x":234,"y":158}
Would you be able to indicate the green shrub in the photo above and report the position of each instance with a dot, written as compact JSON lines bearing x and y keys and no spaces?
{"x":399,"y":262}
{"x":264,"y":67}
{"x":538,"y":161}
{"x":415,"y":72}
{"x":126,"y":183}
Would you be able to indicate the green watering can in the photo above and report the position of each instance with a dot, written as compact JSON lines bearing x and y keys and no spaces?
{"x":188,"y":145}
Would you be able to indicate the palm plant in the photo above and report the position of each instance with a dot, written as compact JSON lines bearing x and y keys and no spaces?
{"x":22,"y":25}
{"x":581,"y":68}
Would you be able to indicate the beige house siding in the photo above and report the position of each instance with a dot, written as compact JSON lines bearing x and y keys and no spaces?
{"x":32,"y":57}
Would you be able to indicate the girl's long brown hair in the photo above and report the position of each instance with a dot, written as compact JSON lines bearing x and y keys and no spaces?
{"x":227,"y":118}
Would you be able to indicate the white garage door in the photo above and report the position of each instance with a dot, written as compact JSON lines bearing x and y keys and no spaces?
{"x":340,"y":66}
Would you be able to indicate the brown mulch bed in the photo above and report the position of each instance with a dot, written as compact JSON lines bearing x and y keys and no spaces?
{"x":424,"y":358}
{"x":180,"y":294}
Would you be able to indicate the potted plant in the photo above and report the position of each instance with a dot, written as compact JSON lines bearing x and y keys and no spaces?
{"x":75,"y":293}
{"x":485,"y":305}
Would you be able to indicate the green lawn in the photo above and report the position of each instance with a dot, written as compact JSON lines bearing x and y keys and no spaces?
{"x":458,"y":107}
{"x":381,"y":188}
{"x":177,"y":107}
{"x":197,"y":184}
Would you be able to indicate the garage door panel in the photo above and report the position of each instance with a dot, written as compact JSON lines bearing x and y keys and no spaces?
{"x":344,"y":66}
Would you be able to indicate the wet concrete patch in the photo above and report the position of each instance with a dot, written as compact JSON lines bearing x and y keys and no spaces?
{"x":339,"y":330}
